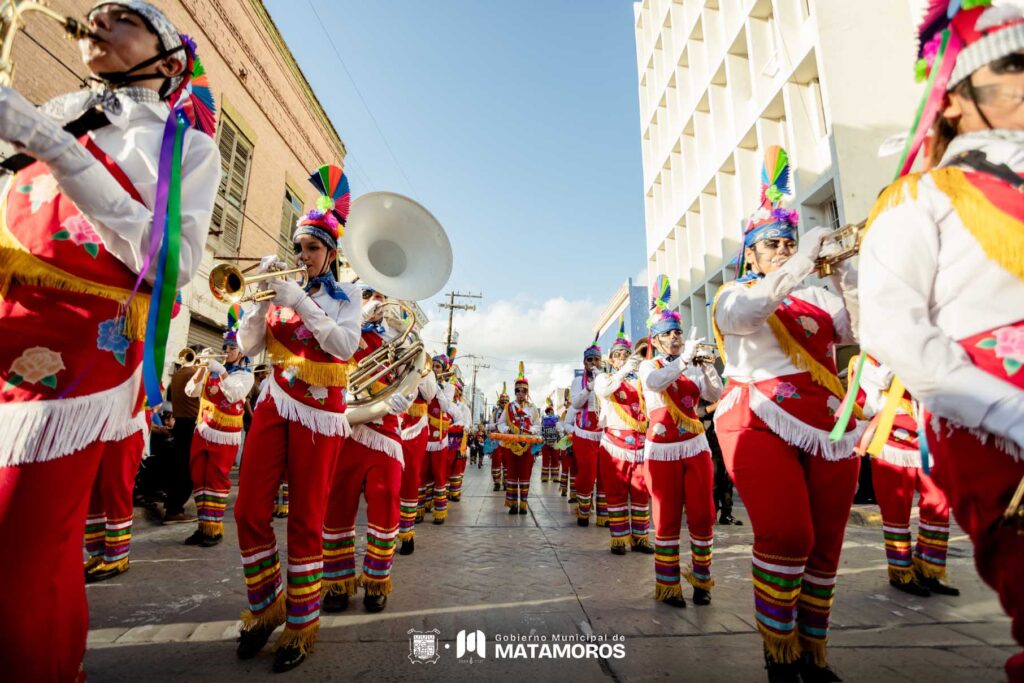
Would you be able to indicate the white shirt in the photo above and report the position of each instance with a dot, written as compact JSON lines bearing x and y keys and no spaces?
{"x":656,"y":380}
{"x":530,"y":410}
{"x":235,"y":386}
{"x":926,"y":283}
{"x":606,"y":384}
{"x":584,"y":399}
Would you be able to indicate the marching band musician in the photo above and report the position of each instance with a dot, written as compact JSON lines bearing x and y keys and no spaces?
{"x":457,"y":437}
{"x":75,"y":231}
{"x":414,"y":452}
{"x":943,"y":283}
{"x":439,"y":418}
{"x":622,"y":448}
{"x":587,"y":432}
{"x":549,"y":432}
{"x":519,"y":417}
{"x":500,"y":454}
{"x":298,"y":428}
{"x":222,"y":389}
{"x":677,"y":458}
{"x":776,"y":336}
{"x":566,"y":459}
{"x":370,"y":462}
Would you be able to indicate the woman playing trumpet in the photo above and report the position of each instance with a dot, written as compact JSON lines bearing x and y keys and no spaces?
{"x":298,"y":428}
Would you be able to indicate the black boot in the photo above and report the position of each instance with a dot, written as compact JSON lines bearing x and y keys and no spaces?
{"x":912,"y":588}
{"x":779,"y":672}
{"x":522,"y":508}
{"x":675,"y":601}
{"x":497,"y":487}
{"x":195,"y":539}
{"x":564,"y":494}
{"x":583,"y":521}
{"x":812,"y":673}
{"x":644,"y":548}
{"x":512,"y":509}
{"x":210,"y":541}
{"x":334,"y":602}
{"x":936,"y":586}
{"x":729,"y":520}
{"x":251,"y":641}
{"x":287,"y":658}
{"x":701,"y":596}
{"x":618,"y":550}
{"x":408,"y":547}
{"x":374,"y":603}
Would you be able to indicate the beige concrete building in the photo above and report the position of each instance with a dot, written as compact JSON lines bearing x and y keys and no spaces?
{"x":721,"y":80}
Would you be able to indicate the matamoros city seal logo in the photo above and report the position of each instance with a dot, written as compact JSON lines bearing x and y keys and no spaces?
{"x":471,"y":646}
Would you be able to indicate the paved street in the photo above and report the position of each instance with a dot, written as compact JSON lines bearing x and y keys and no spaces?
{"x":174,"y":615}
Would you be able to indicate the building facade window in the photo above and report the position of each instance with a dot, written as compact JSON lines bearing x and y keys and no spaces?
{"x":229,"y":205}
{"x":290,"y":214}
{"x":832,"y":214}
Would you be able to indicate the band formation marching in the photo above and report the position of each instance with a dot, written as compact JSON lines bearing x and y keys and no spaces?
{"x":106,"y":216}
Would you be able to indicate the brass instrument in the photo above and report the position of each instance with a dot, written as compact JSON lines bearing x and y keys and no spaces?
{"x":12,"y":16}
{"x":1014,"y":514}
{"x":848,"y":238}
{"x":187,"y":357}
{"x":228,"y":283}
{"x":706,"y":354}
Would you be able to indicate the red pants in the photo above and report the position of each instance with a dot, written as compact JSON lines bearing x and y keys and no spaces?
{"x":629,"y":515}
{"x":673,"y":484}
{"x":210,"y":464}
{"x":799,"y":505}
{"x":108,"y":525}
{"x":979,"y":481}
{"x":567,"y":465}
{"x":520,"y":469}
{"x":279,"y":449}
{"x":586,"y":473}
{"x":549,"y":463}
{"x":498,"y":457}
{"x":894,"y":489}
{"x":412,"y":490}
{"x":379,"y":477}
{"x":42,"y":508}
{"x":435,"y":473}
{"x":457,"y":463}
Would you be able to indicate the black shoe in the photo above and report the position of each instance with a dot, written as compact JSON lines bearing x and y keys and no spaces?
{"x":564,"y":494}
{"x":912,"y":588}
{"x":642,"y":548}
{"x":583,"y":521}
{"x":936,"y":586}
{"x":438,"y":520}
{"x":572,"y":499}
{"x":99,"y":574}
{"x":618,"y":550}
{"x":512,"y":510}
{"x":210,"y":541}
{"x":730,"y":520}
{"x":701,"y":596}
{"x":522,"y":508}
{"x":675,"y":601}
{"x":375,"y":603}
{"x":195,"y":539}
{"x":419,"y":518}
{"x":251,"y":641}
{"x":408,"y":547}
{"x":455,"y":499}
{"x":779,"y":672}
{"x":812,"y":673}
{"x":287,"y":658}
{"x":333,"y":603}
{"x":497,"y":487}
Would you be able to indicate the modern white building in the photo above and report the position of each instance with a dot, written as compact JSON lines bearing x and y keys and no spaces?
{"x":721,"y":80}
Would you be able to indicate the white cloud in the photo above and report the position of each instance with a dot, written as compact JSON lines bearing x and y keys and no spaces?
{"x":549,"y":338}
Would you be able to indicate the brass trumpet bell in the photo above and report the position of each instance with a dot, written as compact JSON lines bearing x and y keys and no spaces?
{"x":189,"y":357}
{"x":228,"y":283}
{"x":848,"y":238}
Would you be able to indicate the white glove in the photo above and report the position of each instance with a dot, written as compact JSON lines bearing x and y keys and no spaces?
{"x":535,"y":430}
{"x":877,"y":375}
{"x":398,"y":404}
{"x":24,"y":126}
{"x":287,"y":293}
{"x":216,"y":367}
{"x":690,"y":347}
{"x":268,"y":264}
{"x":371,"y":309}
{"x":1006,"y":418}
{"x":811,"y":243}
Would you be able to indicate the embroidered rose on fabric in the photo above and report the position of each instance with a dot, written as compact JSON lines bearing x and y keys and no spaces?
{"x":285,"y":315}
{"x":688,"y":402}
{"x":630,"y":440}
{"x":302,"y":334}
{"x":833,"y":404}
{"x":317,"y":393}
{"x":110,"y":337}
{"x":79,"y":230}
{"x":214,"y":390}
{"x":659,"y":430}
{"x":622,"y":395}
{"x":41,"y":190}
{"x":1008,"y":345}
{"x":785,"y":390}
{"x":36,"y":365}
{"x":809,"y":324}
{"x":289,"y":374}
{"x":901,"y":434}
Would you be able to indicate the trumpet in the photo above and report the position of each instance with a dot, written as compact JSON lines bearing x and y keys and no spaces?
{"x":228,"y":283}
{"x":849,"y":238}
{"x":12,"y":16}
{"x":706,"y":354}
{"x":188,"y":357}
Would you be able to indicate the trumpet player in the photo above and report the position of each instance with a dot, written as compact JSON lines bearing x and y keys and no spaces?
{"x":499,"y":455}
{"x":519,"y":417}
{"x":221,"y":389}
{"x":566,"y":461}
{"x":622,"y":448}
{"x":298,"y":428}
{"x":414,"y":452}
{"x":370,"y":463}
{"x":78,"y":219}
{"x":943,"y":285}
{"x":439,"y":419}
{"x":776,"y":336}
{"x":677,"y":458}
{"x":586,"y":434}
{"x":457,"y":442}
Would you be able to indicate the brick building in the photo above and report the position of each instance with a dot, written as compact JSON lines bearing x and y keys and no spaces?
{"x":271,"y":131}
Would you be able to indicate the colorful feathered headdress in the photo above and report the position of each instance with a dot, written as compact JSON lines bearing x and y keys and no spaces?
{"x":521,"y":377}
{"x":621,"y":340}
{"x":326,"y":222}
{"x":503,"y":396}
{"x":443,"y":360}
{"x":235,"y":314}
{"x":662,"y":318}
{"x":592,"y":351}
{"x":194,"y":95}
{"x":771,"y":220}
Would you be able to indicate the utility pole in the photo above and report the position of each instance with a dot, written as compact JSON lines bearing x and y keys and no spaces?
{"x":476,"y":366}
{"x":452,"y":307}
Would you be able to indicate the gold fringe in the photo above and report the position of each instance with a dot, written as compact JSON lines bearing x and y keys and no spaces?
{"x":406,"y":535}
{"x":417,"y":410}
{"x":273,"y":616}
{"x":631,"y":422}
{"x":375,"y":586}
{"x":680,"y":418}
{"x":663,"y":593}
{"x":698,"y":583}
{"x":219,"y":417}
{"x":93,"y":562}
{"x":719,"y":338}
{"x":121,"y":565}
{"x":901,"y":575}
{"x":929,"y":571}
{"x":349,"y":586}
{"x":620,"y":542}
{"x":816,"y":647}
{"x":303,"y":638}
{"x":601,"y":521}
{"x":644,"y":540}
{"x":18,"y":267}
{"x":440,"y":514}
{"x":212,"y":528}
{"x":316,"y":373}
{"x":781,"y":649}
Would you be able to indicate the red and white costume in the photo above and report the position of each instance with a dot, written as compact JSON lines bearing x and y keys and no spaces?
{"x":414,"y":452}
{"x":435,"y":469}
{"x":518,"y":418}
{"x":587,"y":430}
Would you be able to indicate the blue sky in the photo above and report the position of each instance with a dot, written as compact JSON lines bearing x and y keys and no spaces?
{"x":515,"y":123}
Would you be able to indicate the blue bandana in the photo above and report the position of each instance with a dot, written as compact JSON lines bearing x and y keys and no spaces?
{"x":665,"y":325}
{"x":373,"y":327}
{"x":329,"y":285}
{"x":592,"y":352}
{"x":769,"y":231}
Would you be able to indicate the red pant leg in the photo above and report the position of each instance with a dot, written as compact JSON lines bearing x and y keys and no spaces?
{"x":383,"y":479}
{"x":46,"y":619}
{"x":111,"y":499}
{"x":439,"y":467}
{"x":525,"y":474}
{"x":979,"y":481}
{"x":894,"y":490}
{"x":639,"y":505}
{"x":933,"y":529}
{"x":210,"y":466}
{"x":616,"y":475}
{"x":665,"y":480}
{"x":339,"y":536}
{"x":586,"y":473}
{"x":497,"y":460}
{"x":413,"y":452}
{"x":699,"y":485}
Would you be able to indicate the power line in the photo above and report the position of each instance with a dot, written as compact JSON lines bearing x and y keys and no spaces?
{"x":337,"y":54}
